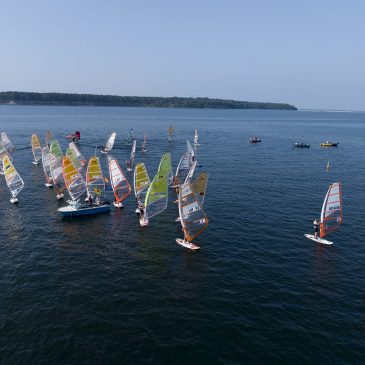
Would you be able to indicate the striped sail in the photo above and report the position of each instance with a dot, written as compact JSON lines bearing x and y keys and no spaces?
{"x":46,"y":164}
{"x":8,"y":145}
{"x":200,"y":187}
{"x":192,"y":216}
{"x":75,"y":183}
{"x":13,"y":180}
{"x":36,"y":148}
{"x":331,"y":215}
{"x":110,"y":142}
{"x":94,"y":178}
{"x":55,"y":157}
{"x":141,"y":181}
{"x":119,"y":182}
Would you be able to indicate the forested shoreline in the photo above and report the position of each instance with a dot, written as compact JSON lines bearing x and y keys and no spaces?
{"x":32,"y":98}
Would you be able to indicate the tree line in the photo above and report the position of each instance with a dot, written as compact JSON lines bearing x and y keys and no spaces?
{"x":31,"y":98}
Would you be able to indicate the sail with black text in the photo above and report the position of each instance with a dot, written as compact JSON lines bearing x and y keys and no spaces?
{"x":36,"y":149}
{"x":13,"y":180}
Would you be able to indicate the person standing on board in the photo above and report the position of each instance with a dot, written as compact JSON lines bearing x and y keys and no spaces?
{"x":316,"y":227}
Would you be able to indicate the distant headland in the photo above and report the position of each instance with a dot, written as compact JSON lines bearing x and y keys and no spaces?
{"x":30,"y":98}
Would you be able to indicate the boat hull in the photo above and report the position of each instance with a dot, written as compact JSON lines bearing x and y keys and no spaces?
{"x":70,"y":211}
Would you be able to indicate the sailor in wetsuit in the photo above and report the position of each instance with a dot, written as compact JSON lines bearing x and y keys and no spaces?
{"x":316,"y":227}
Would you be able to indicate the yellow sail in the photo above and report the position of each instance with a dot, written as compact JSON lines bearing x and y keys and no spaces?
{"x":36,"y":148}
{"x":74,"y":182}
{"x":94,"y":177}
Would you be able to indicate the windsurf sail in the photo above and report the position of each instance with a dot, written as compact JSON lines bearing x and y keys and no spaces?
{"x":190,"y":174}
{"x":36,"y":148}
{"x":13,"y":180}
{"x":141,"y":181}
{"x":166,"y":166}
{"x":200,"y":187}
{"x":144,"y":142}
{"x":46,"y":162}
{"x":78,"y":154}
{"x":49,"y":138}
{"x":190,"y":151}
{"x":94,"y":178}
{"x":8,"y":145}
{"x":196,"y":137}
{"x":110,"y":142}
{"x":331,"y":215}
{"x":55,"y":157}
{"x":170,"y":132}
{"x":72,"y":155}
{"x":182,"y":169}
{"x":133,"y":152}
{"x":119,"y":182}
{"x":192,"y":216}
{"x":157,"y":195}
{"x":75,"y":183}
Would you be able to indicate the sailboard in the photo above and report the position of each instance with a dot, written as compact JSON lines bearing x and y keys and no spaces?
{"x":196,"y":138}
{"x":8,"y":145}
{"x":130,"y":162}
{"x":49,"y":138}
{"x":119,"y":182}
{"x":192,"y":217}
{"x":109,"y":143}
{"x":36,"y":149}
{"x":46,"y":163}
{"x":331,"y":214}
{"x":141,"y":182}
{"x":95,"y":183}
{"x":156,"y":198}
{"x":13,"y":180}
{"x":144,"y":145}
{"x":55,"y":157}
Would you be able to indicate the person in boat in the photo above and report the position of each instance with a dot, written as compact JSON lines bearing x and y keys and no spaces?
{"x":316,"y":228}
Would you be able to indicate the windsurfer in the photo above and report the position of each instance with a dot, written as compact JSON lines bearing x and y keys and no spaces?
{"x":129,"y":163}
{"x":90,"y":201}
{"x":316,"y":227}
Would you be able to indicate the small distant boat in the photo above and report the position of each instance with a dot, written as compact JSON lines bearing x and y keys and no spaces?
{"x":192,"y":217}
{"x":196,"y":138}
{"x":301,"y":145}
{"x":130,"y":162}
{"x":13,"y":180}
{"x":331,"y":214}
{"x":329,"y":144}
{"x":74,"y":137}
{"x":36,"y":149}
{"x":119,"y":182}
{"x":255,"y":140}
{"x":109,"y":143}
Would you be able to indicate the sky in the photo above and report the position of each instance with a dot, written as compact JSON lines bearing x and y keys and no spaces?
{"x":303,"y":52}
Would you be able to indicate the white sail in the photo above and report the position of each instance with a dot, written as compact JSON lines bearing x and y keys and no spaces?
{"x":13,"y":180}
{"x":46,"y":164}
{"x":196,"y":137}
{"x":190,"y":150}
{"x":190,"y":174}
{"x":36,"y":148}
{"x":56,"y":172}
{"x":182,"y":169}
{"x":133,"y":152}
{"x":110,"y":142}
{"x":119,"y":182}
{"x":8,"y":145}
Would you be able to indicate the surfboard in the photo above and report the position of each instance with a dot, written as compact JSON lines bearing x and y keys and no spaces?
{"x":318,"y":239}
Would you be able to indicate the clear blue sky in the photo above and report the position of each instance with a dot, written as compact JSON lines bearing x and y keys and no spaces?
{"x":308,"y":53}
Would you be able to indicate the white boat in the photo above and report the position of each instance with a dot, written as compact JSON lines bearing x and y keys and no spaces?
{"x":192,"y":217}
{"x":141,"y":182}
{"x":109,"y":143}
{"x":119,"y":183}
{"x":196,"y":138}
{"x":46,"y":166}
{"x":130,"y":162}
{"x":331,"y":214}
{"x":36,"y":149}
{"x":13,"y":180}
